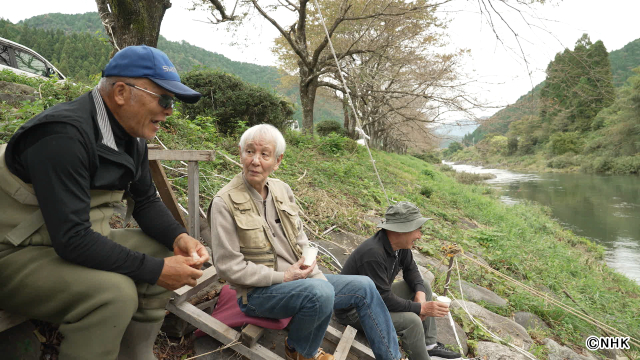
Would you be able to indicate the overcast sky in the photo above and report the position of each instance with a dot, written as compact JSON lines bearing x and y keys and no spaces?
{"x":497,"y":67}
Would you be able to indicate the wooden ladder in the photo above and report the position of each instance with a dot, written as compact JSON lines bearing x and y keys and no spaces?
{"x":246,"y":341}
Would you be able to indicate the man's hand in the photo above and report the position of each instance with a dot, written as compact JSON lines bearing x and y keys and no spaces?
{"x":296,"y":272}
{"x":420,"y":297}
{"x":178,"y":271}
{"x":187,"y":246}
{"x":433,"y":309}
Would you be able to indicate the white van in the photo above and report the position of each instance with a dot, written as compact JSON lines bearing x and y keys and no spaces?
{"x":24,"y":61}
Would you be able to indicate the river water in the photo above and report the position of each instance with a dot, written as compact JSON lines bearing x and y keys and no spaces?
{"x":605,"y":209}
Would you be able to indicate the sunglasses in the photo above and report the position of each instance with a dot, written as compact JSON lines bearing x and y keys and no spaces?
{"x":164,"y":100}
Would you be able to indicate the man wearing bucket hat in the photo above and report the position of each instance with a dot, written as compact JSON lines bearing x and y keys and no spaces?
{"x":381,"y":258}
{"x":60,"y":175}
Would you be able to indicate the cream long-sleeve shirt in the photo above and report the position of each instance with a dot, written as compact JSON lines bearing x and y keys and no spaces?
{"x":228,"y":259}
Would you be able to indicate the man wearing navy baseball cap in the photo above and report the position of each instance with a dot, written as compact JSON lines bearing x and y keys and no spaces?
{"x":60,"y":175}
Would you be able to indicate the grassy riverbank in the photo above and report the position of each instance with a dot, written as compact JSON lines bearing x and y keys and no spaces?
{"x":336,"y":185}
{"x":334,"y":181}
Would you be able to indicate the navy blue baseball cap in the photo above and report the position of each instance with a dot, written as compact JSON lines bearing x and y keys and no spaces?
{"x":144,"y":61}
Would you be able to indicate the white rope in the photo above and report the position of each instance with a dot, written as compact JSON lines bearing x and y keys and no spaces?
{"x":464,"y":307}
{"x":567,"y":308}
{"x":455,"y":333}
{"x":346,"y":92}
{"x":326,"y":252}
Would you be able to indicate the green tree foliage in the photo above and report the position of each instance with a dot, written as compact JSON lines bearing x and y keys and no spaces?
{"x":579,"y":84}
{"x":231,"y":102}
{"x":619,"y":132}
{"x":69,"y":24}
{"x":453,"y":148}
{"x":623,"y":62}
{"x":326,"y":127}
{"x":79,"y":56}
{"x":562,"y":143}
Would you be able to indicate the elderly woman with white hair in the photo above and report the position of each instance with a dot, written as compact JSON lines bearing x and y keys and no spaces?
{"x":258,"y":240}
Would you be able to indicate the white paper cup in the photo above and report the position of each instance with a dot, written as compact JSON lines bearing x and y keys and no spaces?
{"x":444,"y":299}
{"x":310,"y":253}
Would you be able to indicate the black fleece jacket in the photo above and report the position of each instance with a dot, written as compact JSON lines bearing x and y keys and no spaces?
{"x":376,"y":259}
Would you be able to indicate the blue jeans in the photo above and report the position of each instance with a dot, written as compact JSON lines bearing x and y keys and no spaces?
{"x":311,"y":303}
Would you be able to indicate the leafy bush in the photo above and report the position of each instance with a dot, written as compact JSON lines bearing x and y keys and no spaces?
{"x":562,"y":143}
{"x":512,"y":145}
{"x":453,"y":148}
{"x":426,"y":191}
{"x":430,"y":173}
{"x":526,"y":145}
{"x":49,"y":92}
{"x":298,"y":139}
{"x":499,"y":145}
{"x":562,"y":162}
{"x":447,"y":168}
{"x":626,"y":165}
{"x":326,"y":127}
{"x":431,"y":157}
{"x":334,"y":144}
{"x":230,"y":101}
{"x":470,"y":178}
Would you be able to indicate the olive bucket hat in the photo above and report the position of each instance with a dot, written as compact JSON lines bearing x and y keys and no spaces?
{"x":402,"y":217}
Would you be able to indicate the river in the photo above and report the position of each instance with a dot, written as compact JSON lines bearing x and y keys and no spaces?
{"x":605,"y":209}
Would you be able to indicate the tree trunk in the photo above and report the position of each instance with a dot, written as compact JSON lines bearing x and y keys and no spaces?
{"x":132,"y":22}
{"x":307,"y":99}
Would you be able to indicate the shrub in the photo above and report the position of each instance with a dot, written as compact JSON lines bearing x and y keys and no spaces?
{"x":626,"y":165}
{"x":430,"y":173}
{"x":562,"y":162}
{"x":562,"y":143}
{"x":431,"y":157}
{"x":326,"y":127}
{"x":453,"y":148}
{"x":499,"y":145}
{"x":512,"y":145}
{"x":470,"y":178}
{"x":447,"y":168}
{"x":334,"y":144}
{"x":426,"y":191}
{"x":230,"y":101}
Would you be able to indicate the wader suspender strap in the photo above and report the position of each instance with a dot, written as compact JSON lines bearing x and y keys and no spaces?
{"x":103,"y":120}
{"x":26,"y":228}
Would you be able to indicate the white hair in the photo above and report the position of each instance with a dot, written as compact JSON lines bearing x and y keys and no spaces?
{"x":267,"y":133}
{"x":105,"y":85}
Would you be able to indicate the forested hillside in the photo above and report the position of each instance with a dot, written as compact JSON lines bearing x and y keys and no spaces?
{"x":575,"y":120}
{"x":76,"y":45}
{"x":622,"y":62}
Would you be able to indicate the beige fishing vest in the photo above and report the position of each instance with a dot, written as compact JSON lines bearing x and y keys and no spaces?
{"x":256,"y":239}
{"x":21,"y":222}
